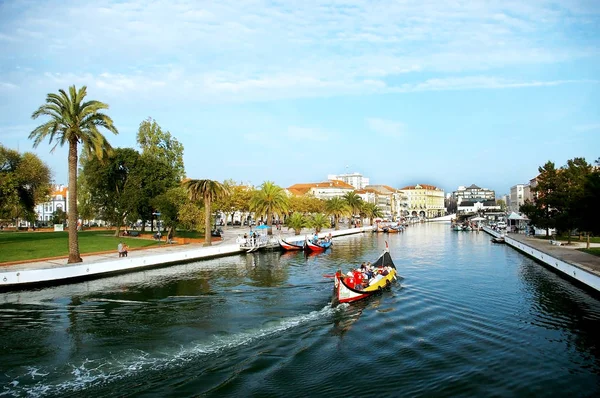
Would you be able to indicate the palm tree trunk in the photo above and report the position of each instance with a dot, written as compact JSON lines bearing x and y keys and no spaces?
{"x":269,"y":223}
{"x":337,"y":223}
{"x":74,"y":256}
{"x":207,"y":236}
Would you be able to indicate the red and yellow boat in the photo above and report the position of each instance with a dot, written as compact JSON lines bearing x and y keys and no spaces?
{"x":347,"y":289}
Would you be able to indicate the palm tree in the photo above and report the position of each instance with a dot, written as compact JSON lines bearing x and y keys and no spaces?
{"x":73,"y":121}
{"x":268,"y":201}
{"x":296,"y":221}
{"x":354,"y":202}
{"x":209,"y":191}
{"x":371,"y":211}
{"x":337,"y":207}
{"x":318,"y":221}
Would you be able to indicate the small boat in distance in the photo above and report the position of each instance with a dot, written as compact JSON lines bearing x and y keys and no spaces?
{"x":499,"y":239}
{"x":347,"y":289}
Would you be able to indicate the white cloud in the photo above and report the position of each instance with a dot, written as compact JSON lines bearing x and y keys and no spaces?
{"x":388,"y":128}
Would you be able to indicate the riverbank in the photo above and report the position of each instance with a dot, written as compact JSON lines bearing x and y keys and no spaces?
{"x":57,"y":271}
{"x":574,"y":264}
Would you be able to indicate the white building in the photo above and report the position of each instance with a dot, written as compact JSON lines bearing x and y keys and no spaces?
{"x":58,"y":200}
{"x":473,"y":193}
{"x":322,"y":190}
{"x":354,"y":179}
{"x":517,"y":197}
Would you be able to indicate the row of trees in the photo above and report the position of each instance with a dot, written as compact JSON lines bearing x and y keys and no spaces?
{"x":566,"y":198}
{"x":123,"y":185}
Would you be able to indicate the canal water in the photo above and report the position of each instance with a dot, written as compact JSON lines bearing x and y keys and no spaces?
{"x":470,"y":318}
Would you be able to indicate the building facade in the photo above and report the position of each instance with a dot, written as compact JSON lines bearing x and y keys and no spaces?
{"x":322,"y":190}
{"x":473,"y":193}
{"x":355,"y":179}
{"x":391,"y":201}
{"x":425,"y":201}
{"x":517,"y":197}
{"x":58,"y":200}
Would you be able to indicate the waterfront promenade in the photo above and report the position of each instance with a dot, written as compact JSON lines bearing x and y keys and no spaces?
{"x":565,"y":259}
{"x":95,"y":265}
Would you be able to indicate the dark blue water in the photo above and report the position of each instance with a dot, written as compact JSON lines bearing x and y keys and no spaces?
{"x":470,"y":318}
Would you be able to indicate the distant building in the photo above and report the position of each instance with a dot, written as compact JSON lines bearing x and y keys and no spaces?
{"x":517,"y":196}
{"x":322,"y":190}
{"x":391,"y":201}
{"x":58,"y":200}
{"x":473,"y":193}
{"x":355,"y":179}
{"x":469,"y":206}
{"x":424,"y":200}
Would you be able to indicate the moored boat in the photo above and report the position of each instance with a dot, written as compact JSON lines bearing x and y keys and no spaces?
{"x":499,"y":239}
{"x":347,"y":289}
{"x":291,"y":245}
{"x":318,"y":246}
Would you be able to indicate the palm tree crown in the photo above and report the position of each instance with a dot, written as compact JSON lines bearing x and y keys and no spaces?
{"x":209,"y":191}
{"x":72,"y":122}
{"x":337,"y":207}
{"x":269,"y":200}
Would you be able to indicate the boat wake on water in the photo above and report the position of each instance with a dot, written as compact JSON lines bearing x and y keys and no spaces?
{"x":90,"y":373}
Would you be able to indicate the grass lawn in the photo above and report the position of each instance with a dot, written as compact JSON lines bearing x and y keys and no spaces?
{"x":593,"y":239}
{"x":15,"y":246}
{"x":594,"y":250}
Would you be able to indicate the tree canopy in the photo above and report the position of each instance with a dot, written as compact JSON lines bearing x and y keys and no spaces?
{"x":24,"y":183}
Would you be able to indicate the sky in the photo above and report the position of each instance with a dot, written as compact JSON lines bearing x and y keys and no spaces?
{"x":437,"y":92}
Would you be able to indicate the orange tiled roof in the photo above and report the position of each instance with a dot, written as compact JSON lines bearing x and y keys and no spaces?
{"x":60,"y":191}
{"x":301,"y":189}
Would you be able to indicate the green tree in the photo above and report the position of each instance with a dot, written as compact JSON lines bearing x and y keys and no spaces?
{"x":152,"y":178}
{"x":318,"y":221}
{"x":546,"y":198}
{"x":589,"y":203}
{"x":570,"y":195}
{"x":170,"y":204}
{"x":24,"y":182}
{"x":208,"y":190}
{"x":112,"y":186}
{"x":296,"y":221}
{"x":354,"y":202}
{"x":268,"y":201}
{"x":59,"y":216}
{"x":501,"y":203}
{"x":72,"y":122}
{"x":161,"y":146}
{"x":306,"y":204}
{"x":337,"y":207}
{"x":370,"y":211}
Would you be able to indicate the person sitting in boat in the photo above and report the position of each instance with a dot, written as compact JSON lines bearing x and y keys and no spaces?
{"x":315,"y":237}
{"x":358,"y":279}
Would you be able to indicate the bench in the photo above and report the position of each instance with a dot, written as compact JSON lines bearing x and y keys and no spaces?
{"x":556,"y":243}
{"x":131,"y":233}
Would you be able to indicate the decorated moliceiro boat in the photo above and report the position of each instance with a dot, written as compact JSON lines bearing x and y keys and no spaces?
{"x":355,"y":287}
{"x":292,"y":245}
{"x":318,"y":246}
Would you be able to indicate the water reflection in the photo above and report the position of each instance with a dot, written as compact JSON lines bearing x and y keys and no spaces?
{"x":561,"y":306}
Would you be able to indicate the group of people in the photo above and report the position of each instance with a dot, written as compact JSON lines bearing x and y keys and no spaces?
{"x":317,"y":240}
{"x":122,"y":248}
{"x":366,"y":275}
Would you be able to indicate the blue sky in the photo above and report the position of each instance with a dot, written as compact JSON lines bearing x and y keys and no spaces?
{"x":444,"y":93}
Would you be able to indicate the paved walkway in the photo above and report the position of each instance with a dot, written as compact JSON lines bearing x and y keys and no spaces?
{"x":230,"y":235}
{"x":567,"y":253}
